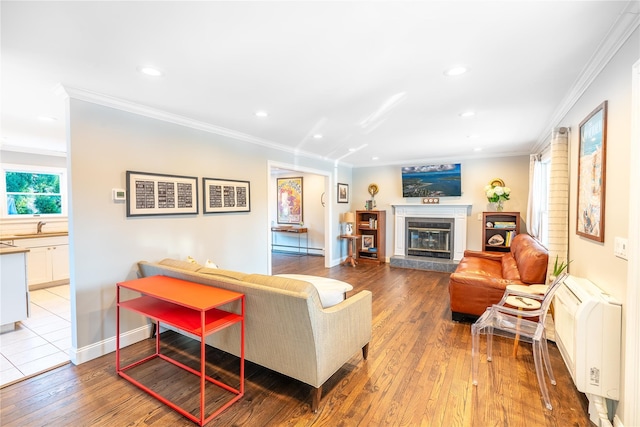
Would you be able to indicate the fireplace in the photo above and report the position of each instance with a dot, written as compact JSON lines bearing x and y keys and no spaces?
{"x":438,"y":237}
{"x":430,"y":237}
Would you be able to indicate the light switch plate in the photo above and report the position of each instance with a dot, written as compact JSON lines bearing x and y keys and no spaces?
{"x":620,"y":247}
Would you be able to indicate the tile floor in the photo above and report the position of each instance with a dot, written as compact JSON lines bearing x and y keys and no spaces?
{"x":40,"y":342}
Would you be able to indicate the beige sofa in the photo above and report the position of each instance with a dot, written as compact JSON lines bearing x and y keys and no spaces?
{"x":286,"y":328}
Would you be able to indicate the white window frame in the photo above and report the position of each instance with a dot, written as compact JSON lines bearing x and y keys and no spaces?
{"x":62,"y":172}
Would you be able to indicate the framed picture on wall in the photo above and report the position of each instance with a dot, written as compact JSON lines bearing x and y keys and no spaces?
{"x":289,"y":202}
{"x":158,"y":194}
{"x":225,"y":195}
{"x":591,"y":174}
{"x":343,"y":193}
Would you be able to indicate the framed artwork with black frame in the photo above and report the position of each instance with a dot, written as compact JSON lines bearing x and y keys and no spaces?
{"x":225,"y":195}
{"x":289,"y":202}
{"x":343,"y":193}
{"x":159,"y":194}
{"x":591,"y":174}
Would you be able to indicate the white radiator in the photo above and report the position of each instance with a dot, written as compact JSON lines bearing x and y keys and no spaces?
{"x":588,"y":332}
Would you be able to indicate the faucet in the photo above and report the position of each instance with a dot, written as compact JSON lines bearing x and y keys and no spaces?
{"x":40,"y":224}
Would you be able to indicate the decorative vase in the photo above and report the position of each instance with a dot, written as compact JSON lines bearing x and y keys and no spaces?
{"x":499,"y":205}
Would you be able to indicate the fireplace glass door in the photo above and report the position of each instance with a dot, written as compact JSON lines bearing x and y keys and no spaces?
{"x":429,"y":239}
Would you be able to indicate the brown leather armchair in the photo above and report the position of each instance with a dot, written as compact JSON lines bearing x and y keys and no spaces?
{"x":482,"y":277}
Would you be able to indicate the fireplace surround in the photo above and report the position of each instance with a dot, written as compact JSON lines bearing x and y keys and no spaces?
{"x":455,"y":214}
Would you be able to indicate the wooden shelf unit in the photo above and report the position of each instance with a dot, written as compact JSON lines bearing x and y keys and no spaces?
{"x":371,"y":229}
{"x":503,"y":230}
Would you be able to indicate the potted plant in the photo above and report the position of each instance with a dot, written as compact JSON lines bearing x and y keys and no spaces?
{"x":558,"y":268}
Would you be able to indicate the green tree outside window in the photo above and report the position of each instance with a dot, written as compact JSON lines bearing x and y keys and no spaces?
{"x":33,"y":193}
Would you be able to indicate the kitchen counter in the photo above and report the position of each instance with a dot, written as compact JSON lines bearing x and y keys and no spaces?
{"x":20,"y":236}
{"x":6,"y":250}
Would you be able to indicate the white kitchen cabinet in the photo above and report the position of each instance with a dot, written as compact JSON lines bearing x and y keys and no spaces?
{"x":14,"y":304}
{"x":47,"y":260}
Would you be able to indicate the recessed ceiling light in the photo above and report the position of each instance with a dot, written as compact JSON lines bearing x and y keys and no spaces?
{"x":353,"y":150}
{"x":375,"y":158}
{"x":150,"y":71}
{"x":261,"y":114}
{"x":477,"y":149}
{"x":317,"y":136}
{"x":47,"y":118}
{"x":473,"y":136}
{"x":456,"y":71}
{"x":467,"y":114}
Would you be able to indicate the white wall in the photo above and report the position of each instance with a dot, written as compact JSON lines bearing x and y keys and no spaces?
{"x":591,"y":259}
{"x":105,"y":245}
{"x":514,"y":171}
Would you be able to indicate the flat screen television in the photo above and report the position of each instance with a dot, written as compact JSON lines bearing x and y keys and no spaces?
{"x":431,"y":180}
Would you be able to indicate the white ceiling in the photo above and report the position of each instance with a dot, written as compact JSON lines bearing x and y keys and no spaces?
{"x":363,"y":74}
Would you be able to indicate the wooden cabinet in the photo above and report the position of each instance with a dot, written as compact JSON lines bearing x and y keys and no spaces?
{"x":47,"y":260}
{"x":498,"y":229}
{"x":370,"y":225}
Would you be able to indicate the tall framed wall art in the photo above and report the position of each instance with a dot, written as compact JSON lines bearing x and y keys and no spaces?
{"x":289,"y":203}
{"x":591,"y":174}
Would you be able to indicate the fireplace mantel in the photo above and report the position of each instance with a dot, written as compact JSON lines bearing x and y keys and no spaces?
{"x":458,"y":211}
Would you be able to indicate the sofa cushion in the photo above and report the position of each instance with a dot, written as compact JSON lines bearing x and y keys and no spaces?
{"x":532,"y":259}
{"x":182,"y":265}
{"x":222,"y":273}
{"x":292,"y":285}
{"x":509,"y":268}
{"x":331,"y":291}
{"x":480,"y":266}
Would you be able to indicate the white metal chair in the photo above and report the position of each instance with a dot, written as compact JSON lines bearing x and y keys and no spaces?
{"x":525,"y":325}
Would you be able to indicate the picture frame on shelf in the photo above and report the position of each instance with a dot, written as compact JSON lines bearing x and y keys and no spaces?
{"x":592,"y":175}
{"x":150,"y":194}
{"x":289,"y":203}
{"x":368,"y":242}
{"x":225,"y":195}
{"x":343,"y":193}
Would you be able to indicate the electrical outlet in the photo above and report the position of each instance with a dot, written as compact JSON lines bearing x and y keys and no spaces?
{"x":620,"y":247}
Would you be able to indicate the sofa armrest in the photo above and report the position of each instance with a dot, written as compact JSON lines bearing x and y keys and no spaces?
{"x":494,"y":256}
{"x":481,"y":281}
{"x":341,"y":331}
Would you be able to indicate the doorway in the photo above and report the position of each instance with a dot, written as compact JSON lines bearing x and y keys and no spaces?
{"x":317,"y":209}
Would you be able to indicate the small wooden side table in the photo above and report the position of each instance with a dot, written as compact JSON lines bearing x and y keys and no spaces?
{"x":351,"y":244}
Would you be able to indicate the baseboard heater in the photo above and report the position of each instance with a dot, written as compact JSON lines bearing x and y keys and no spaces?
{"x":588,"y":329}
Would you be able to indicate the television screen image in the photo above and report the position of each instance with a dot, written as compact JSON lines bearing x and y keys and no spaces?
{"x":431,"y":180}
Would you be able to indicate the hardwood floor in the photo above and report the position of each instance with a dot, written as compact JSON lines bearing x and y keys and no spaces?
{"x":418,"y":373}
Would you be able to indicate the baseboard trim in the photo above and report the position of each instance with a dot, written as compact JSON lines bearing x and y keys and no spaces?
{"x":93,"y":351}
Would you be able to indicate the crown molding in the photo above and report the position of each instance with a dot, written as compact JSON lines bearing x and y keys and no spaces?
{"x":154,"y":113}
{"x":32,"y":150}
{"x":627,"y":22}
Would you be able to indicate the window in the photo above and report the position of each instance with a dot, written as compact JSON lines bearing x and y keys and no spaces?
{"x":33,"y":191}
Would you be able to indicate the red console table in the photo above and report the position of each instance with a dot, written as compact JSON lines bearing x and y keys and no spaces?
{"x":188,"y":306}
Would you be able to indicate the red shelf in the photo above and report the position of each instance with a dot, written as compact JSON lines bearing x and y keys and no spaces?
{"x":181,"y":317}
